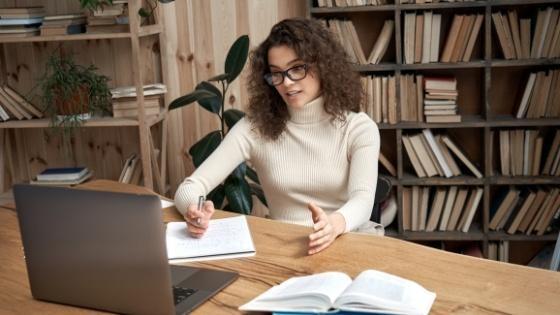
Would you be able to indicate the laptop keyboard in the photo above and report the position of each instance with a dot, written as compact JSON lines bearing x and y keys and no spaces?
{"x":180,"y":294}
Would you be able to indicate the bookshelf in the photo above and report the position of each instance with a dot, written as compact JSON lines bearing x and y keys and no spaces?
{"x":131,"y":65}
{"x":488,"y":79}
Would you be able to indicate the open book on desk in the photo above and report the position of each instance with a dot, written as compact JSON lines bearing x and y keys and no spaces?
{"x":225,"y":238}
{"x":330,"y":292}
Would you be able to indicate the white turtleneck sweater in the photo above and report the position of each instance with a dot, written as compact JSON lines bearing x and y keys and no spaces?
{"x":332,"y":164}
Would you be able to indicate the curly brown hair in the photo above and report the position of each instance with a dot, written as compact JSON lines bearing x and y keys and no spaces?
{"x":314,"y":44}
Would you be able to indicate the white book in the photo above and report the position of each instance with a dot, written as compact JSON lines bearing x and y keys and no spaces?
{"x":461,"y":156}
{"x":526,"y":96}
{"x":372,"y":291}
{"x":181,"y":247}
{"x":438,"y":154}
{"x":472,"y":205}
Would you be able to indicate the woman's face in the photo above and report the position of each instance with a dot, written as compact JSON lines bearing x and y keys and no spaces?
{"x":303,"y":86}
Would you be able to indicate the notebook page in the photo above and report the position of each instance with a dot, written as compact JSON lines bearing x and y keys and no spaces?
{"x":229,"y":236}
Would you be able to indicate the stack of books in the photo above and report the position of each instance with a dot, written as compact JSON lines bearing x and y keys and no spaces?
{"x":109,"y":19}
{"x":347,"y":35}
{"x":63,"y":176}
{"x":432,"y":155}
{"x":14,"y":106}
{"x":20,"y":22}
{"x":541,"y":97}
{"x":452,"y":208}
{"x":440,"y":100}
{"x":63,"y":24}
{"x":125,"y":104}
{"x":514,"y":34}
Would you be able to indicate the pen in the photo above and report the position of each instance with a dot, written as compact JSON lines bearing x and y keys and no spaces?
{"x":199,"y":207}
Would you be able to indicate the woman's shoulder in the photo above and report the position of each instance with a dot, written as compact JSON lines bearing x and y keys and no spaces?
{"x":360,"y":120}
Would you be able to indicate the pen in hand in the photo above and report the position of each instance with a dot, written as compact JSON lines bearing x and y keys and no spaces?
{"x":199,"y":208}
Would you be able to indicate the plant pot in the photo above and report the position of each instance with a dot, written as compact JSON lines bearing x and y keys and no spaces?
{"x":75,"y":104}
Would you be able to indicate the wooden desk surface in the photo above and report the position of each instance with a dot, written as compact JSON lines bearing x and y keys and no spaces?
{"x":464,"y":285}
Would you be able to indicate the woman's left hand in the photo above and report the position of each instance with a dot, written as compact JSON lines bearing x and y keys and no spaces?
{"x":326,"y":229}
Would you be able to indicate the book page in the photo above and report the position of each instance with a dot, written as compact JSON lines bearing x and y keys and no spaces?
{"x":315,"y":292}
{"x":223,"y":237}
{"x":376,"y":290}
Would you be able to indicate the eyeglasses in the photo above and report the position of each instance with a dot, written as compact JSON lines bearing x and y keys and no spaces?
{"x":295,"y":73}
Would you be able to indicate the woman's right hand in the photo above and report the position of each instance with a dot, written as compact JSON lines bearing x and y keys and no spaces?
{"x":198,"y":220}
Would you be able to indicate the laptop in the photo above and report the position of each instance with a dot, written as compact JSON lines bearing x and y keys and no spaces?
{"x":106,"y":251}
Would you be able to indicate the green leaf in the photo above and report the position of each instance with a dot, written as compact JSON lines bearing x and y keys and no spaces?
{"x":217,"y":196}
{"x":232,"y":116}
{"x":252,"y":175}
{"x":212,"y":104}
{"x":236,"y":57}
{"x":204,"y":147}
{"x":166,"y":1}
{"x":190,"y":98}
{"x":143,"y":13}
{"x":239,"y":171}
{"x":238,"y":194}
{"x":219,"y":77}
{"x":257,"y":191}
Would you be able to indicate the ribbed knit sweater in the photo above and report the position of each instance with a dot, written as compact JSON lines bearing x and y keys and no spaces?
{"x":315,"y":159}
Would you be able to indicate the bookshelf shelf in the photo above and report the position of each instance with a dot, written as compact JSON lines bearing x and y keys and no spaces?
{"x":502,"y":236}
{"x":59,"y":38}
{"x":510,"y":121}
{"x":524,"y":180}
{"x":442,"y":5}
{"x":488,"y":89}
{"x":475,"y":235}
{"x":525,"y":62}
{"x":437,"y":66}
{"x":408,"y":179}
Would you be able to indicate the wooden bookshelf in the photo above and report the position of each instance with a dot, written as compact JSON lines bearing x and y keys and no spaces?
{"x":484,"y":113}
{"x":131,"y":46}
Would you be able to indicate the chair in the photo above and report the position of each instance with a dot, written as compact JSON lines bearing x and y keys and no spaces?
{"x":382,"y":191}
{"x":555,"y":262}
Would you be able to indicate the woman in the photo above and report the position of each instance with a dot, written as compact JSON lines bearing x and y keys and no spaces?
{"x":316,"y":157}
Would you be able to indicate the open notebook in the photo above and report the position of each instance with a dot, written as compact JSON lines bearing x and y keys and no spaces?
{"x":225,"y":238}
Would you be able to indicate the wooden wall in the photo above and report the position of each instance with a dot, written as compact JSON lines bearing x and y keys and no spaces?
{"x":198,"y":35}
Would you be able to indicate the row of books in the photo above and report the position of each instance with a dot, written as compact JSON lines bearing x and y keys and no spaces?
{"x":498,"y":251}
{"x":132,"y":170}
{"x":432,"y":155}
{"x":521,"y":152}
{"x":110,"y":19}
{"x":125,"y":103}
{"x":62,"y":176}
{"x":421,"y":37}
{"x":525,"y":211}
{"x":346,"y":33}
{"x":15,"y":106}
{"x":432,"y":1}
{"x":381,"y":98}
{"x":462,"y":37}
{"x":444,"y":209}
{"x":541,"y":97}
{"x":348,"y":3}
{"x":20,"y":22}
{"x":514,"y":34}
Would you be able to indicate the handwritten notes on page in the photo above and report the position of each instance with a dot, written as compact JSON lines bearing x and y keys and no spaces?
{"x":225,"y":238}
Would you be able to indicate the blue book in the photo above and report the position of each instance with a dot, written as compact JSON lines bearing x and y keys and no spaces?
{"x":372,"y":292}
{"x":63,"y":174}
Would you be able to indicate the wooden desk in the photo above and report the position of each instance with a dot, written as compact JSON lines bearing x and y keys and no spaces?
{"x":464,"y":285}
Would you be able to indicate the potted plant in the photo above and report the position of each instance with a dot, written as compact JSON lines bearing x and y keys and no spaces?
{"x":72,"y":93}
{"x":243,"y":182}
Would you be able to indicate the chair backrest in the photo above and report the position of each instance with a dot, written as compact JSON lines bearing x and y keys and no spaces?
{"x":555,"y":262}
{"x":381,"y":193}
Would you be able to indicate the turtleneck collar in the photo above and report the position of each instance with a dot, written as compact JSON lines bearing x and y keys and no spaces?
{"x":311,"y":112}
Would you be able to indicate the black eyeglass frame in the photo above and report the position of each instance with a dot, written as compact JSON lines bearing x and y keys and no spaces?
{"x":286,"y":73}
